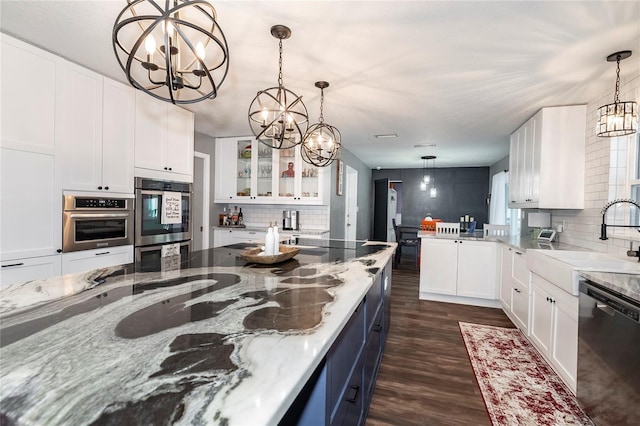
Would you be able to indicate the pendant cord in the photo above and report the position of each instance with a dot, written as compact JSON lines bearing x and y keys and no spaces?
{"x":321,"y":119}
{"x":280,"y":65}
{"x":617,"y":98}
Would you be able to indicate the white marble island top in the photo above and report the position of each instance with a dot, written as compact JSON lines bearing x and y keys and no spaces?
{"x":218,"y":342}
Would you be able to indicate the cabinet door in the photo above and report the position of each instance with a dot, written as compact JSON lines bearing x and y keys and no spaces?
{"x":514,"y":171}
{"x":82,"y":261}
{"x":151,"y":132}
{"x":506,"y":265}
{"x":541,"y":319}
{"x":263,"y":180}
{"x":179,"y":151}
{"x":477,"y":269}
{"x":565,"y":343}
{"x":118,"y":134}
{"x":81,"y":121}
{"x":35,"y":268}
{"x":28,"y":110}
{"x":288,"y":172}
{"x":438,"y":266}
{"x":225,"y":171}
{"x":31,"y":205}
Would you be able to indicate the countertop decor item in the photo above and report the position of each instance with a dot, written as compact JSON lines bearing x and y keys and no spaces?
{"x":256,"y":255}
{"x":192,"y":59}
{"x":277,"y":116}
{"x":321,"y":144}
{"x":618,"y":118}
{"x":516,"y":383}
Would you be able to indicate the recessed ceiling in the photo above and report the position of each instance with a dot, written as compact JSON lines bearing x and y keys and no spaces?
{"x":460,"y":75}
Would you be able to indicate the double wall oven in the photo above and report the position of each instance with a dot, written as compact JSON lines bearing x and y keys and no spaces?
{"x":92,"y":222}
{"x":162,"y":218}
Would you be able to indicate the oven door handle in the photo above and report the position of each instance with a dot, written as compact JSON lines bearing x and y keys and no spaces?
{"x":98,"y":215}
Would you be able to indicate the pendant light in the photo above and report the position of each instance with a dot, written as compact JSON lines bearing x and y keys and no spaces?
{"x":277,"y":116}
{"x":433,"y":192}
{"x":321,"y":144}
{"x":426,"y":178}
{"x":618,"y":118}
{"x":173,"y":50}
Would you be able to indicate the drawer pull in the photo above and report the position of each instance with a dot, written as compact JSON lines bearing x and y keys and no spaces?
{"x":377,"y":328}
{"x":517,"y":290}
{"x":13,"y":264}
{"x":352,"y":394}
{"x":518,"y":253}
{"x":104,"y":252}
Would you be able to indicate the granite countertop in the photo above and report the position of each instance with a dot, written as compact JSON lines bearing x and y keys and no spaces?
{"x":280,"y":230}
{"x":516,"y":241}
{"x":626,"y":284}
{"x":218,"y":341}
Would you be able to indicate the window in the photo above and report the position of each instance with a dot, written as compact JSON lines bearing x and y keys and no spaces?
{"x":624,"y":182}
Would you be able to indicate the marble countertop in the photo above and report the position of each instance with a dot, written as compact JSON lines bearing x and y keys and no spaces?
{"x":515,"y":241}
{"x":218,"y":341}
{"x":626,"y":284}
{"x":280,"y":230}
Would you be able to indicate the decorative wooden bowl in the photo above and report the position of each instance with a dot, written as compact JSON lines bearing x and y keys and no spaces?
{"x":256,"y":255}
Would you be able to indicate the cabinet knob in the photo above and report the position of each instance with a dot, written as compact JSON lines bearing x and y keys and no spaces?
{"x":166,"y":168}
{"x":100,"y":187}
{"x":59,"y":251}
{"x":106,"y":188}
{"x":170,"y":168}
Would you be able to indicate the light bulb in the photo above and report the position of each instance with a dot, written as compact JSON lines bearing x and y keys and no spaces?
{"x":426,"y":179}
{"x":168,"y":28}
{"x":433,"y":192}
{"x":150,"y":44}
{"x":200,"y":53}
{"x":423,"y":186}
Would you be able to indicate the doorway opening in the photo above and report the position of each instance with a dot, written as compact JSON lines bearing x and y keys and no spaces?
{"x":201,"y":179}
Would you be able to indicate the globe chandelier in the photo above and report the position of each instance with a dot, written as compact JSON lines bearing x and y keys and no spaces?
{"x":618,"y":118}
{"x":277,"y":116}
{"x":173,"y":50}
{"x":321,"y":144}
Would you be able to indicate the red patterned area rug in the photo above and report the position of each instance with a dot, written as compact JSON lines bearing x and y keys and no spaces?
{"x":517,"y":384}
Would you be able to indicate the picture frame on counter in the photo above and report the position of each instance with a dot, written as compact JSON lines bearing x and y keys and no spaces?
{"x":339,"y":177}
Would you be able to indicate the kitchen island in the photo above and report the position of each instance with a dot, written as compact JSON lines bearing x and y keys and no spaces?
{"x":218,"y":341}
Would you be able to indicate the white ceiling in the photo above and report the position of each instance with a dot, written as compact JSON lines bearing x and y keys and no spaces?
{"x":460,"y":75}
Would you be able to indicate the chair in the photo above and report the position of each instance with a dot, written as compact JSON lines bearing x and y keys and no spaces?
{"x":412,"y":243}
{"x":495,"y":230}
{"x":448,"y":229}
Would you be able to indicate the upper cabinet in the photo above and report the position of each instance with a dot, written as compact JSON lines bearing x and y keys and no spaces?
{"x":164,"y":140}
{"x":97,"y":132}
{"x":546,"y":160}
{"x":30,"y":183}
{"x":247,"y":171}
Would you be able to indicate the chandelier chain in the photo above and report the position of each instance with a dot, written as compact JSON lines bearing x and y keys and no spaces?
{"x":617,"y":98}
{"x":321,"y":119}
{"x":280,"y":84}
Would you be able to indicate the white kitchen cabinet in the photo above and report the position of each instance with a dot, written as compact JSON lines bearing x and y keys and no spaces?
{"x":554,"y":327}
{"x":247,"y":171}
{"x":546,"y":160}
{"x":463,"y":271}
{"x":514,"y":286}
{"x":29,"y":269}
{"x":163,"y":140}
{"x":87,"y":260}
{"x":225,"y":237}
{"x":97,"y":128}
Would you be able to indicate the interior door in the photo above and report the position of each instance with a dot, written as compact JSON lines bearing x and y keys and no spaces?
{"x":351,"y":204}
{"x":380,"y":219}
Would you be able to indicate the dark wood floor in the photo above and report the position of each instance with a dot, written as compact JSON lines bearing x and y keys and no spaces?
{"x":426,"y":377}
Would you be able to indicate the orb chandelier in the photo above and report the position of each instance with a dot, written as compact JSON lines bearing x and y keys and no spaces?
{"x":428,"y":179}
{"x":321,"y":143}
{"x":173,"y":50}
{"x":618,"y":118}
{"x":277,"y":116}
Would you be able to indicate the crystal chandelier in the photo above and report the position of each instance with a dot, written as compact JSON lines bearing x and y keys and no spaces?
{"x":321,"y":144}
{"x":277,"y":116}
{"x":618,"y":118}
{"x":192,"y":59}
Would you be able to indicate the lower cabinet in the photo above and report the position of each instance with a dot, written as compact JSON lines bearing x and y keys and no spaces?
{"x":34,"y":268}
{"x":87,"y":260}
{"x":340,"y":390}
{"x":225,"y":237}
{"x":514,"y":286}
{"x":554,"y":327}
{"x":462,"y":268}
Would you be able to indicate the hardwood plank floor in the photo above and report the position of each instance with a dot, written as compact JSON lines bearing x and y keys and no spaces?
{"x":426,"y":377}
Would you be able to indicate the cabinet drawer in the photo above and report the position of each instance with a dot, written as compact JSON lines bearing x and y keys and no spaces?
{"x":520,"y":270}
{"x":349,"y":408}
{"x":341,"y":359}
{"x":373,"y":303}
{"x":520,"y":305}
{"x":372,"y":356}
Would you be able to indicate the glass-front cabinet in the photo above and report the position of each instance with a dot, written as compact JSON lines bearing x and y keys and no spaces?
{"x":248,"y":171}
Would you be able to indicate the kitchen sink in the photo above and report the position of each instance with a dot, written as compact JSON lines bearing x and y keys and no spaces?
{"x":562,"y":268}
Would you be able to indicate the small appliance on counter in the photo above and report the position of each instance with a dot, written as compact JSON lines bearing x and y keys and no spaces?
{"x":290,"y":220}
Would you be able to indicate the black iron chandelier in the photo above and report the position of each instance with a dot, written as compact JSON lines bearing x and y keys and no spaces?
{"x":192,"y":59}
{"x":618,"y":118}
{"x":277,"y":116}
{"x":321,"y":143}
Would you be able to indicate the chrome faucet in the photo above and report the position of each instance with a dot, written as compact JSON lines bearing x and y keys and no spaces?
{"x":603,"y":227}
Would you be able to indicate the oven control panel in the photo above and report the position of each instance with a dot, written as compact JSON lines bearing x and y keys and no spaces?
{"x":100,"y":203}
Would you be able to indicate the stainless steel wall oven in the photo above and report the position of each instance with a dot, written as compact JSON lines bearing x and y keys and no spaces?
{"x":150,"y":228}
{"x":90,"y":222}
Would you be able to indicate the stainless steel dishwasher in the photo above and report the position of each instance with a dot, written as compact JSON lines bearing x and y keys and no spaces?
{"x":608,"y":383}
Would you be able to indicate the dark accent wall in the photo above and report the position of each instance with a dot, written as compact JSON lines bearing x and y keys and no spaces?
{"x":461,"y":191}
